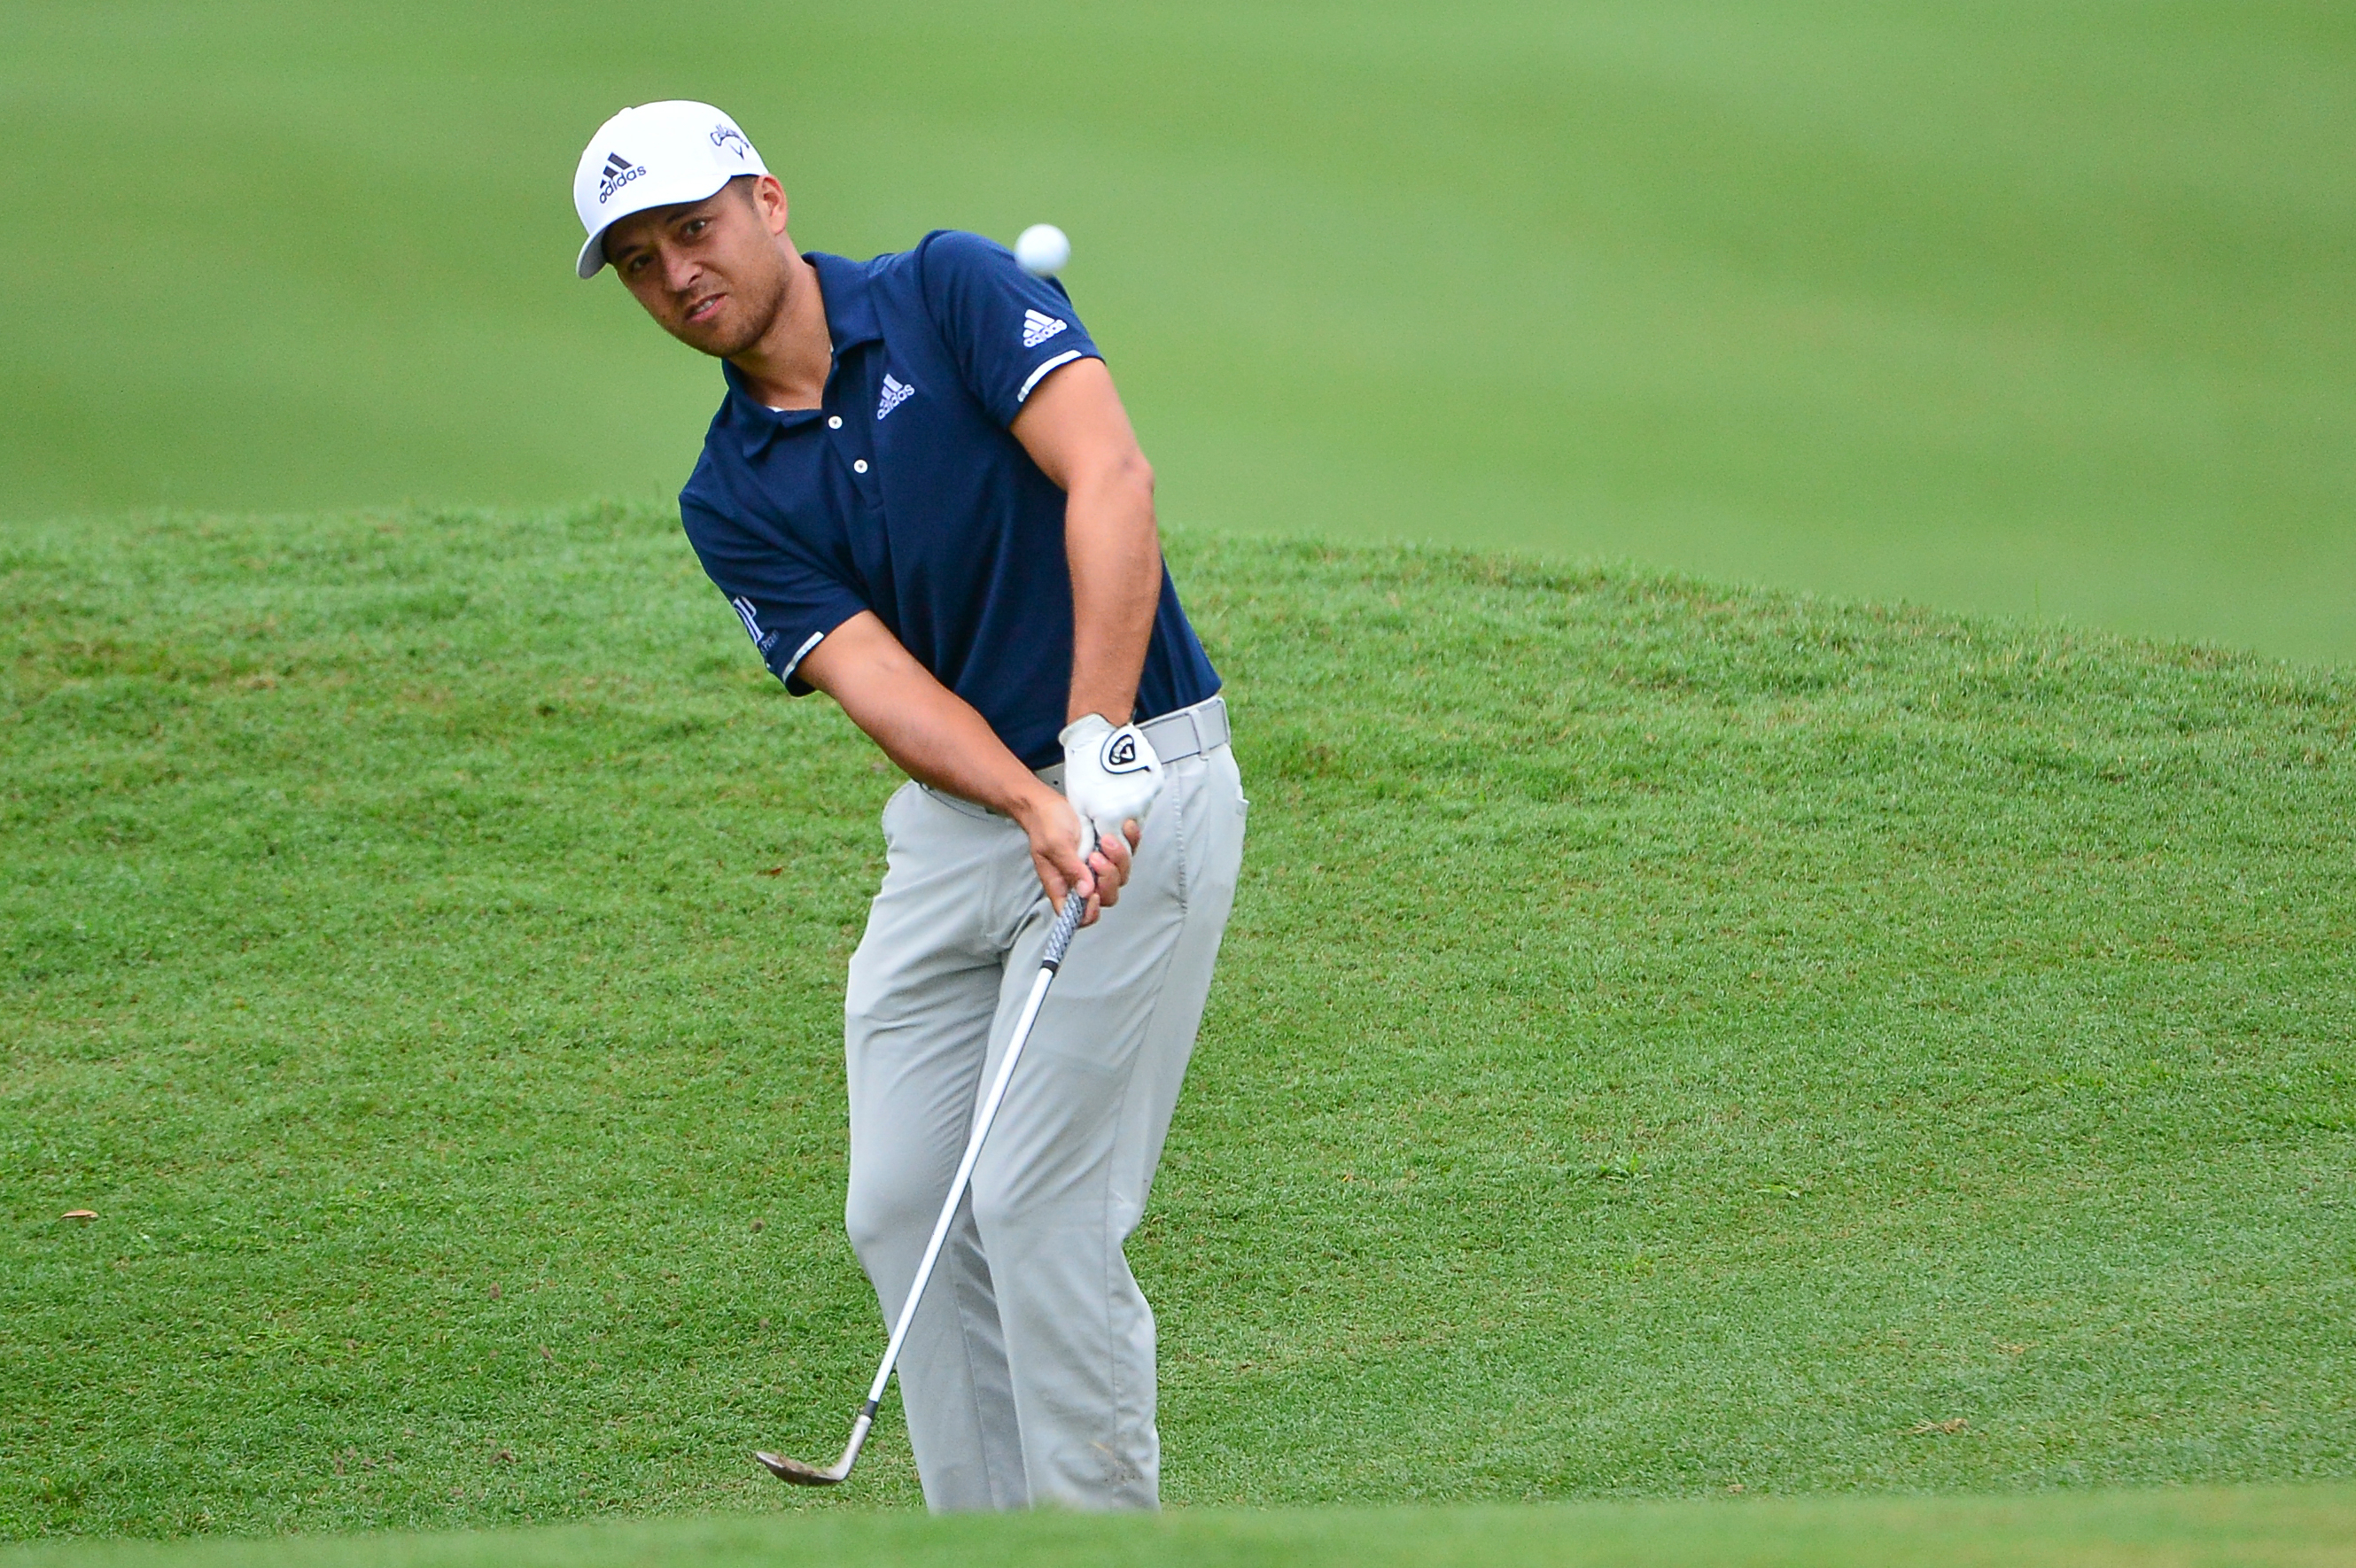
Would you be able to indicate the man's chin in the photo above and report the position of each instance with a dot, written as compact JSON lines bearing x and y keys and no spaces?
{"x":723,"y":337}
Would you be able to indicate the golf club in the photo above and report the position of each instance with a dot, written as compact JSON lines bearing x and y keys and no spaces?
{"x":1059,"y":939}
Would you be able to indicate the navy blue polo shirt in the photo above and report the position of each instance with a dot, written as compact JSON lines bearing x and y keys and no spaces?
{"x":905,"y":494}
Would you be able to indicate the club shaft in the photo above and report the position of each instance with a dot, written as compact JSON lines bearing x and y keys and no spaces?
{"x":1058,"y":940}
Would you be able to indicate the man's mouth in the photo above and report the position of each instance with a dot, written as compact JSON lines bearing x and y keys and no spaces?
{"x":705,"y":309}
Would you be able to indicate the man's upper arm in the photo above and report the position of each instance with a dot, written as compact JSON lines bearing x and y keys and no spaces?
{"x":1074,"y":426}
{"x":1007,"y":330}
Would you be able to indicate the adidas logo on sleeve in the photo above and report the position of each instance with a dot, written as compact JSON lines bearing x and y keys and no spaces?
{"x":1037,"y":327}
{"x":895,"y":392}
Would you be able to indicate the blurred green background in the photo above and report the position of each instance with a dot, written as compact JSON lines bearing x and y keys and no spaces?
{"x":2037,"y":308}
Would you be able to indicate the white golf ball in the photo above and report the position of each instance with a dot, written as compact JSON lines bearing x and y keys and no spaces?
{"x":1043,"y":250}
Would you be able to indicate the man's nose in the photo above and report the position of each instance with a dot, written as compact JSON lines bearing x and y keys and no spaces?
{"x":679,"y":271}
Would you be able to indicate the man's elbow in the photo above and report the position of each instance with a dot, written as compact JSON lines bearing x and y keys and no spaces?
{"x":1133,"y":478}
{"x":1122,"y":483}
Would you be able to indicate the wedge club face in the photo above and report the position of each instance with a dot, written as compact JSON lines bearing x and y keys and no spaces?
{"x":799,"y":1474}
{"x":803,"y":1475}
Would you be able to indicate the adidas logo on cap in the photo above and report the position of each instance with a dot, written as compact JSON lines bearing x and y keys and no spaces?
{"x":1038,"y":327}
{"x":620,"y":172}
{"x":895,"y":392}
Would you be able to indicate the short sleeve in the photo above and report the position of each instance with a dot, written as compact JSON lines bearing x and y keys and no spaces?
{"x":1005,"y":328}
{"x":787,"y":601}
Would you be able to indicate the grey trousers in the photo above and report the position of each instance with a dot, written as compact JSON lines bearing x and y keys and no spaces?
{"x":1028,"y":1376}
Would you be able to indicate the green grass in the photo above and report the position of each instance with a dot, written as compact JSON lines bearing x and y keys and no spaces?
{"x":2034,"y":307}
{"x":1671,"y":1039}
{"x":2304,"y":1528}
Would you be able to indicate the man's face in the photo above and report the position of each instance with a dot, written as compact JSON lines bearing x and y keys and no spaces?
{"x":710,"y":272}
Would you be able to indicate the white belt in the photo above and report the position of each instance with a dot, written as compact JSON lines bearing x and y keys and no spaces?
{"x":1190,"y":731}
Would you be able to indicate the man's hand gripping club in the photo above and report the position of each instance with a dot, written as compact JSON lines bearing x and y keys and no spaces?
{"x":1069,"y":851}
{"x":1110,"y":776}
{"x":1086,"y":837}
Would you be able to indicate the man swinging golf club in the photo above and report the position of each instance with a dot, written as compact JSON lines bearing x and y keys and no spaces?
{"x":922,"y":496}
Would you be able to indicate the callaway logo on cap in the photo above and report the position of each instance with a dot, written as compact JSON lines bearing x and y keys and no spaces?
{"x":657,"y":155}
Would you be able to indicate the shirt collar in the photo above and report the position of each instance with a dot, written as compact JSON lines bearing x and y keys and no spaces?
{"x":850,"y":302}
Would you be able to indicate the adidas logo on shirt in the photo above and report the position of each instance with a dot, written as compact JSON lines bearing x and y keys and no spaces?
{"x":620,"y":172}
{"x":1037,"y":328}
{"x":895,"y":392}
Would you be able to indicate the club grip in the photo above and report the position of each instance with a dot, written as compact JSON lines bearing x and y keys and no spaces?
{"x":1059,"y":936}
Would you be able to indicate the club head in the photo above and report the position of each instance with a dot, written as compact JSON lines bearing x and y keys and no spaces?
{"x":797,"y":1472}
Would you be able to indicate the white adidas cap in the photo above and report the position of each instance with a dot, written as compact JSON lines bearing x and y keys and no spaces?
{"x":657,"y":155}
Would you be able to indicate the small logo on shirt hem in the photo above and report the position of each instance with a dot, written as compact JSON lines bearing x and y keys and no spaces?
{"x":1038,"y":326}
{"x":761,"y":639}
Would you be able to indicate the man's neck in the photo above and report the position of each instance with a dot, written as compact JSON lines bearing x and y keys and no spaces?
{"x":786,"y":369}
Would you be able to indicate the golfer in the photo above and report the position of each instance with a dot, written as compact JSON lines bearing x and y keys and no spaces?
{"x":922,"y":497}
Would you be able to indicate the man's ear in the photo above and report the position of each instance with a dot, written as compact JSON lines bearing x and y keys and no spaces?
{"x":769,"y":200}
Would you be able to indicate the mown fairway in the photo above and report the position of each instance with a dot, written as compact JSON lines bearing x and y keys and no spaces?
{"x":1672,"y":1038}
{"x":2307,"y":1527}
{"x":2028,"y":306}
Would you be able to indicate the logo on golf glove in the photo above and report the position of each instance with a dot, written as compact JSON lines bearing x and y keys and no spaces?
{"x":1110,"y":776}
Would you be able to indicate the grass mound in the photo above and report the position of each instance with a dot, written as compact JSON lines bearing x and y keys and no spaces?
{"x":1671,"y":1039}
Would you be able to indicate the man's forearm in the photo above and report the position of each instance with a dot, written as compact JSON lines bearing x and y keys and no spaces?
{"x":1115,"y":552}
{"x":934,"y":735}
{"x":938,"y":740}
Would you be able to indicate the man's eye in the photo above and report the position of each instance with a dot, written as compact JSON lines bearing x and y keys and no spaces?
{"x":696,"y":226}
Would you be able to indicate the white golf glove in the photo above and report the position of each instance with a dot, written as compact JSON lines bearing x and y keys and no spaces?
{"x":1110,"y":776}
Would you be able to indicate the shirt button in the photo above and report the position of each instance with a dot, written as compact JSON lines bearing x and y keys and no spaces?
{"x":834,"y":421}
{"x":860,"y":466}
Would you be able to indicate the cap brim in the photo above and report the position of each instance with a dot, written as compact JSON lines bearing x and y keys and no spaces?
{"x":592,"y":260}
